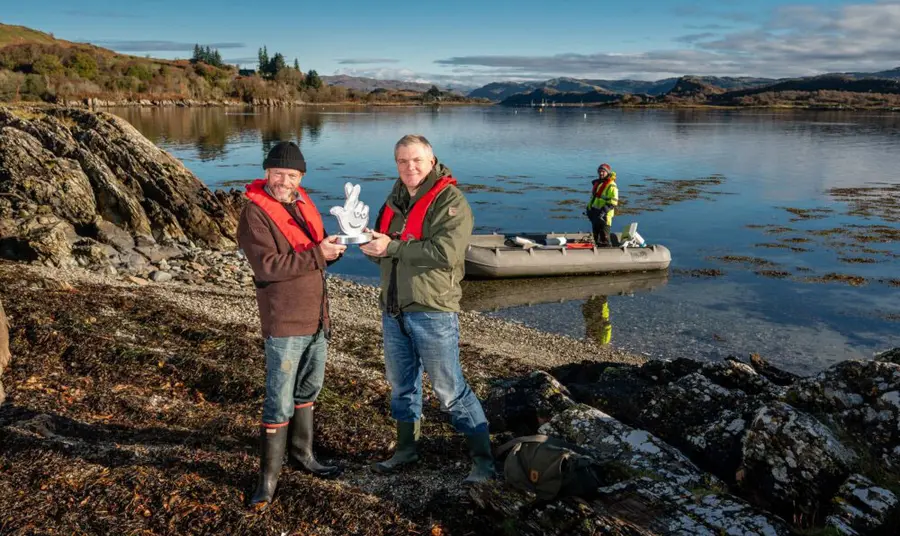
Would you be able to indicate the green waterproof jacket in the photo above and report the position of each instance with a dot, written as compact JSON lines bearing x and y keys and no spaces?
{"x":429,"y":271}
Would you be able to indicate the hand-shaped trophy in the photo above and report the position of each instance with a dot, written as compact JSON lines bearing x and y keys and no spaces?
{"x":352,"y":218}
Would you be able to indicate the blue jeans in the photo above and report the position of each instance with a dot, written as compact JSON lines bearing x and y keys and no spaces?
{"x":295,"y":371}
{"x":414,"y":342}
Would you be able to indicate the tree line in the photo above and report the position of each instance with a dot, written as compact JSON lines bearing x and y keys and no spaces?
{"x":276,"y":68}
{"x":207,"y":56}
{"x":62,"y":72}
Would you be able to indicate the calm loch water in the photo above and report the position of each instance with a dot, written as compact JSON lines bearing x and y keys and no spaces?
{"x":783,"y":226}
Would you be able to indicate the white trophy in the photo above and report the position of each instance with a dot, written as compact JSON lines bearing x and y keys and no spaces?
{"x":352,"y":218}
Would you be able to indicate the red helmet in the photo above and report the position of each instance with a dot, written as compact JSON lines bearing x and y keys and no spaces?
{"x":604,"y":166}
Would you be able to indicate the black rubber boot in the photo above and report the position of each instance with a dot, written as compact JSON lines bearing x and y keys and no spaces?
{"x":272,"y":443}
{"x":300,"y":454}
{"x":406,"y":452}
{"x":482,"y":458}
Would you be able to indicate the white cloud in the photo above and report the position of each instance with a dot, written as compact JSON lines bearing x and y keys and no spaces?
{"x":796,"y":40}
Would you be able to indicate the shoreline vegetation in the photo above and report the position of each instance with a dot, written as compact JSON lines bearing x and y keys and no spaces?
{"x":37,"y":67}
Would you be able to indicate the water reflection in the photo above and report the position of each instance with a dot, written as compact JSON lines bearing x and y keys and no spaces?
{"x":211,"y":131}
{"x":496,"y":295}
{"x":597,"y":323}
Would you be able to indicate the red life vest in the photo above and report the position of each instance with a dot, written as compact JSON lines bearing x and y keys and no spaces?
{"x":412,"y":228}
{"x":598,"y":191}
{"x":283,"y":220}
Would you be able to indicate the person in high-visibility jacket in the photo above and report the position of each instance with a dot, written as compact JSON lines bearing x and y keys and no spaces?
{"x":603,"y":203}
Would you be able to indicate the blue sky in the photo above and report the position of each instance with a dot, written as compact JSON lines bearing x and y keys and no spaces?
{"x":471,"y":43}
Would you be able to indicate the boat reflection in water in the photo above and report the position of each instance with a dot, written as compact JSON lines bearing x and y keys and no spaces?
{"x":497,"y":294}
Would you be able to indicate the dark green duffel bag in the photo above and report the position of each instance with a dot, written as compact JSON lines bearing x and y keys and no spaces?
{"x":548,"y":467}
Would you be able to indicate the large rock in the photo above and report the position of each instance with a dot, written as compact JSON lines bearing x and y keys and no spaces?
{"x":521,"y":406}
{"x":703,"y":419}
{"x":655,"y":486}
{"x":44,"y":239}
{"x":792,"y":462}
{"x":702,"y":409}
{"x":622,"y":390}
{"x":4,"y":349}
{"x":861,"y":507}
{"x":891,"y":356}
{"x":518,"y":513}
{"x":92,"y":169}
{"x":860,"y":399}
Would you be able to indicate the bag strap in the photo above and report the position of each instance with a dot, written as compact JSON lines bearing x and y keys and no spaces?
{"x":506,"y":447}
{"x":555,"y":441}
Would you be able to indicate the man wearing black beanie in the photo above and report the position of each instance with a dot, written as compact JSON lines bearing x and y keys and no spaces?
{"x":281,"y":233}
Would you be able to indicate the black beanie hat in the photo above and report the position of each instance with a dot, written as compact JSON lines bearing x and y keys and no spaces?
{"x":285,"y":155}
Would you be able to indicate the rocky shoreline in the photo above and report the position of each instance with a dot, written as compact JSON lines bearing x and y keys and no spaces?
{"x":137,"y":375}
{"x":686,"y":447}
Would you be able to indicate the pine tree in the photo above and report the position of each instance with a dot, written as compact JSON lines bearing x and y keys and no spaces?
{"x":313,"y":80}
{"x":276,"y":64}
{"x":263,"y":61}
{"x":197,"y":53}
{"x":296,"y":65}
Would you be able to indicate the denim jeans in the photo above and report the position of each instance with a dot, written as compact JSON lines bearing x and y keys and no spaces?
{"x":414,"y":342}
{"x":295,"y":370}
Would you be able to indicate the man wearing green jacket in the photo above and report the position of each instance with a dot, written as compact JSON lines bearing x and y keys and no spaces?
{"x":420,"y":242}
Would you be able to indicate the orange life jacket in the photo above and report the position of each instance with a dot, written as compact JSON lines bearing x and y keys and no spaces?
{"x":283,"y":220}
{"x":412,"y":228}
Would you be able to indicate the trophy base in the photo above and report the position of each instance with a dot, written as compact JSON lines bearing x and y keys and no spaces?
{"x":347,"y":240}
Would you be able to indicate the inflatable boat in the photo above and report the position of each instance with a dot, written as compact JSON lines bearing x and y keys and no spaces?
{"x":495,"y":256}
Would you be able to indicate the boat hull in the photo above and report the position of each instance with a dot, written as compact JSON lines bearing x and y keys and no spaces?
{"x":489,"y":257}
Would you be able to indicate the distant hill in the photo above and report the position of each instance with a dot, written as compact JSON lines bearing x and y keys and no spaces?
{"x":893,"y":74}
{"x":553,"y":97}
{"x":500,"y":91}
{"x":824,"y":83}
{"x":573,"y":85}
{"x":364,"y":84}
{"x":826,"y":91}
{"x":360,"y":83}
{"x":691,"y":86}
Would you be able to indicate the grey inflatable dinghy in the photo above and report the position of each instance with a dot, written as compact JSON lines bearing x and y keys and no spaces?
{"x":494,"y":256}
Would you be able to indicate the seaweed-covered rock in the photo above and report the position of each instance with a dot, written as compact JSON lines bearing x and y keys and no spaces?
{"x":521,"y":406}
{"x":861,"y":507}
{"x":790,"y":458}
{"x":862,"y":400}
{"x":659,"y":488}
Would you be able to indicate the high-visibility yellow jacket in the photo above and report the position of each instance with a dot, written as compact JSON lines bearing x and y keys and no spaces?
{"x":603,"y":193}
